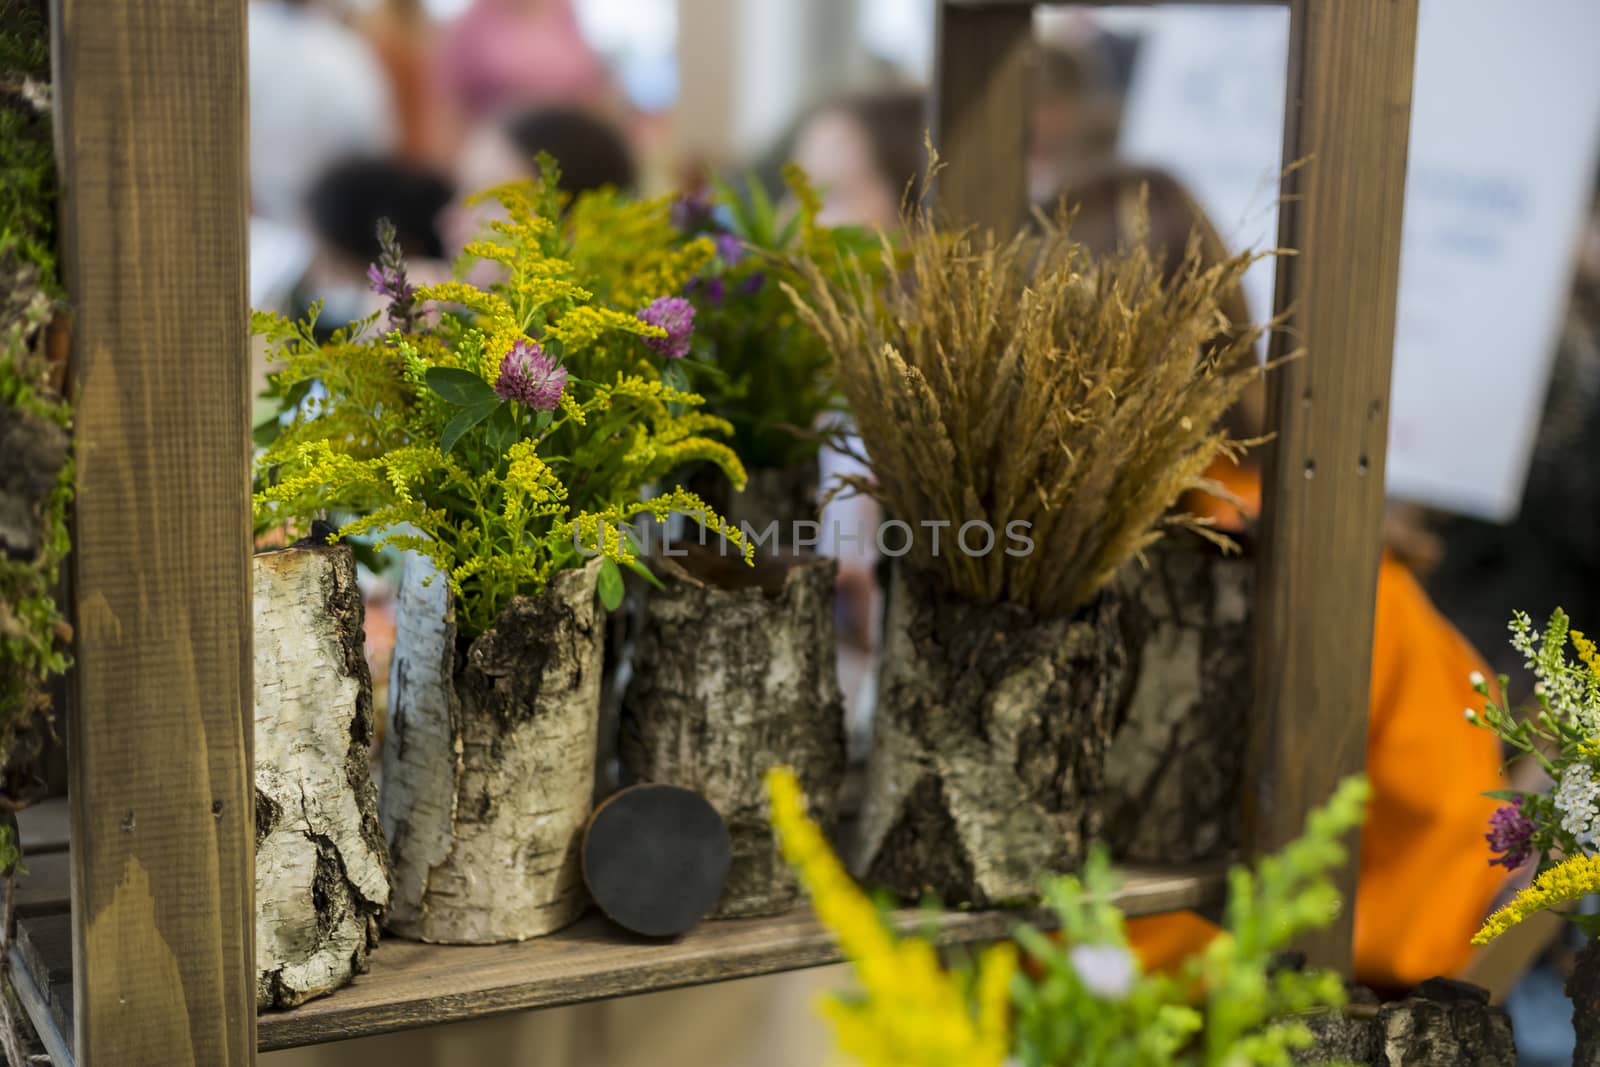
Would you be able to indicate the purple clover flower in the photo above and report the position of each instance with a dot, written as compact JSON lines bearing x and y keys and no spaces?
{"x":1511,"y":835}
{"x":388,"y":278}
{"x":675,"y":315}
{"x":530,"y":377}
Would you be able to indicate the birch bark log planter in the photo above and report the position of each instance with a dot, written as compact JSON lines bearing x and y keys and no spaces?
{"x":734,"y":672}
{"x":488,"y":761}
{"x":989,"y":745}
{"x":1174,"y":771}
{"x":322,"y":874}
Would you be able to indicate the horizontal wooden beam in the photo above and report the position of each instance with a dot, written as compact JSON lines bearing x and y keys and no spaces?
{"x":413,"y":984}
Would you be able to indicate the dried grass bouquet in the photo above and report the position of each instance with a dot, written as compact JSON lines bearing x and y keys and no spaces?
{"x":1025,"y":381}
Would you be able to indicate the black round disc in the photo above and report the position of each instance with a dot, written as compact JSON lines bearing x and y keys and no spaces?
{"x":656,"y":858}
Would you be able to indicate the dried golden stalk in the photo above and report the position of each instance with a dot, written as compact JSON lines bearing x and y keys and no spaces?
{"x":1026,"y":381}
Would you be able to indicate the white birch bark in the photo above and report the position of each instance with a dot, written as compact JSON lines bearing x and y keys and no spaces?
{"x":489,"y":759}
{"x":322,"y":876}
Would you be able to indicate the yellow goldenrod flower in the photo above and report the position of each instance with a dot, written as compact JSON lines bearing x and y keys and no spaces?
{"x":912,"y":1013}
{"x":1570,"y":880}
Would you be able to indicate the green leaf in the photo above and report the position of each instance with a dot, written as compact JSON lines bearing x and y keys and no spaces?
{"x":465,"y":420}
{"x":542,"y":420}
{"x":638,"y":567}
{"x":1505,"y":794}
{"x":265,"y":432}
{"x":673,"y":376}
{"x":461,"y":387}
{"x":610,"y":584}
{"x":554,"y":348}
{"x":503,"y":430}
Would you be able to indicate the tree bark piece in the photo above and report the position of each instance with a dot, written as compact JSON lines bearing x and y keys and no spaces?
{"x":989,"y":746}
{"x":1583,"y":986}
{"x":1443,"y":1023}
{"x":734,"y":672}
{"x":488,"y":761}
{"x":1176,"y":765}
{"x":322,"y":872}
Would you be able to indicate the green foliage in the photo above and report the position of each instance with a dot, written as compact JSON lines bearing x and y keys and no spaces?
{"x":33,"y":633}
{"x":758,"y":365}
{"x":27,"y":161}
{"x":1226,"y":1007}
{"x":409,"y":433}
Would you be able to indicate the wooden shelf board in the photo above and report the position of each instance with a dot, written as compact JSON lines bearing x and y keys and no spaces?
{"x":412,"y":984}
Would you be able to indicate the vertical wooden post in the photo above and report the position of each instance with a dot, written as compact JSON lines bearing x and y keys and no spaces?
{"x":980,"y":114}
{"x":1348,"y":116}
{"x":150,"y":110}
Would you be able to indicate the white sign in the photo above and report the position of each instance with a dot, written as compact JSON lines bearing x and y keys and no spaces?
{"x":1504,"y":132}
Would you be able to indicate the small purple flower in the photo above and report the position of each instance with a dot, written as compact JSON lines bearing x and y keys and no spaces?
{"x":675,"y":315}
{"x":729,"y":248}
{"x":690,"y":213}
{"x":752,"y":284}
{"x":1511,"y":835}
{"x":714,"y":288}
{"x":388,"y":278}
{"x":530,"y":377}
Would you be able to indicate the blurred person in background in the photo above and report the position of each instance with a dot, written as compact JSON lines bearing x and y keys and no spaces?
{"x":861,"y":151}
{"x":317,"y":94}
{"x":344,"y":205}
{"x":403,"y":39}
{"x":592,"y":154}
{"x":504,"y":54}
{"x":1076,"y":114}
{"x":1425,"y":882}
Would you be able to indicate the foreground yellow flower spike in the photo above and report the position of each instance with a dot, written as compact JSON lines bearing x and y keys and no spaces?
{"x":911,"y":1012}
{"x":1569,"y":880}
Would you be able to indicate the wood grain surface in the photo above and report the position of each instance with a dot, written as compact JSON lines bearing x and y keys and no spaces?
{"x":1348,"y":119}
{"x":150,"y":128}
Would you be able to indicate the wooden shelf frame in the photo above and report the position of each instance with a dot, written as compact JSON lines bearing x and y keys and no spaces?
{"x":150,"y":126}
{"x":412,"y":984}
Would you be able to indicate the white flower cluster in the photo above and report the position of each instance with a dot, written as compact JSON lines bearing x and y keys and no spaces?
{"x":1578,"y":800}
{"x":1564,"y":688}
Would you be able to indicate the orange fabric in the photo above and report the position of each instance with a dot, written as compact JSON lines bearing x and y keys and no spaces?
{"x":1425,"y":881}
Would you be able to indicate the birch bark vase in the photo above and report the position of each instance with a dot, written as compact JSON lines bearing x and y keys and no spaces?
{"x":1176,"y":763}
{"x":989,"y":745}
{"x":734,"y":672}
{"x":322,"y":873}
{"x":488,"y":761}
{"x":1583,"y":988}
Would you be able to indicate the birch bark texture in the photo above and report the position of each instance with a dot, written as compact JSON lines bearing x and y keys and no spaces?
{"x":489,"y":760}
{"x":989,"y":745}
{"x":1176,"y":763}
{"x":733,"y":674}
{"x":322,"y":872}
{"x":1583,"y":988}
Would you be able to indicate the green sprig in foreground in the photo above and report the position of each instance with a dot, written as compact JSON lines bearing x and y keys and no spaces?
{"x":1086,"y":1000}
